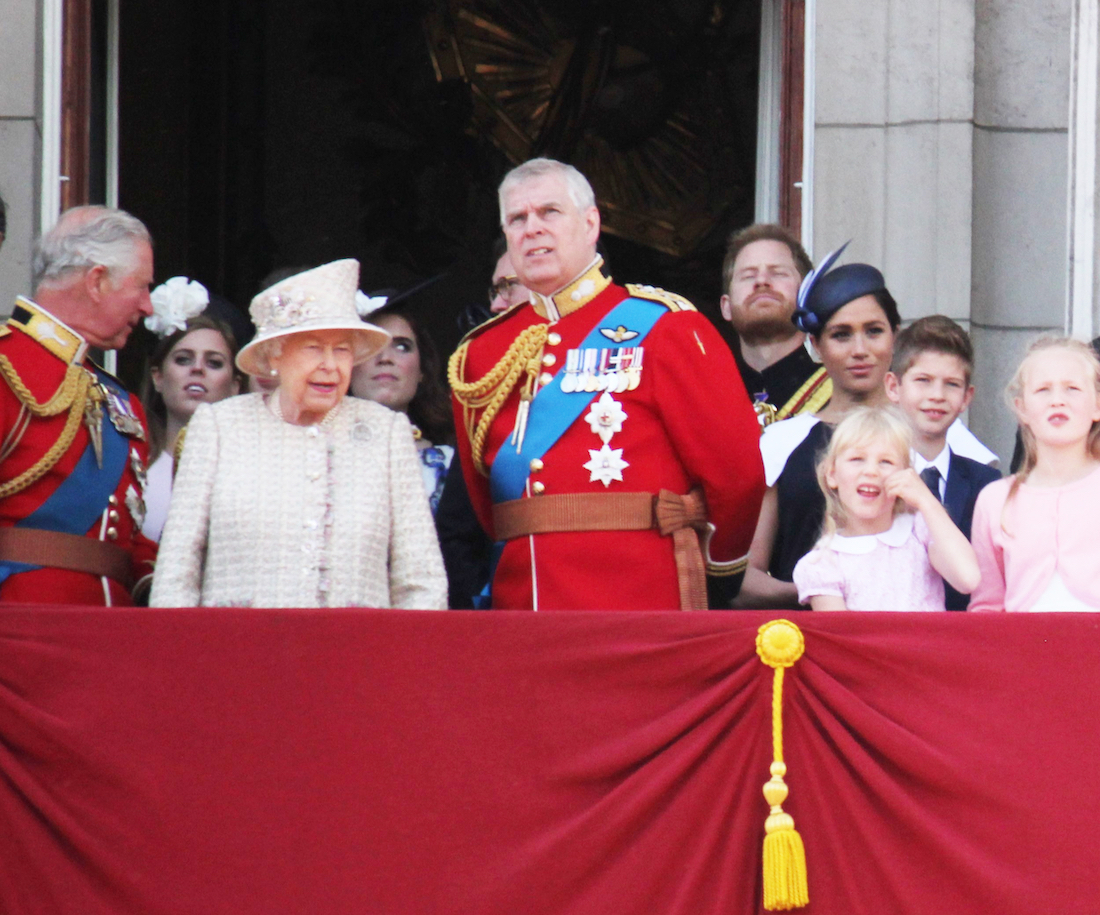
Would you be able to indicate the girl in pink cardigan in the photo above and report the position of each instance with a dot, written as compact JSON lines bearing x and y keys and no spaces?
{"x":887,"y":539}
{"x":1035,"y":533}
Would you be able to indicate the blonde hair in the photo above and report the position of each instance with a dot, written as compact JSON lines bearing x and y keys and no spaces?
{"x":862,"y":425}
{"x":1015,"y":390}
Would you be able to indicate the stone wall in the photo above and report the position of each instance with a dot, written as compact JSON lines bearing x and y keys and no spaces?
{"x":1021,"y":114}
{"x":893,"y":139}
{"x":20,"y":142}
{"x":940,"y":148}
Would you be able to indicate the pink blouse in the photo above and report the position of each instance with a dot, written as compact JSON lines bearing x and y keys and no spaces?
{"x":887,"y":571}
{"x":1043,"y":531}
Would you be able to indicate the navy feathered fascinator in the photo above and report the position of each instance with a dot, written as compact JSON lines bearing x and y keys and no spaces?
{"x":825,"y":291}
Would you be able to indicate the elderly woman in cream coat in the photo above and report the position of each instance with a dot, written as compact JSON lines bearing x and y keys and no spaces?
{"x":302,"y":497}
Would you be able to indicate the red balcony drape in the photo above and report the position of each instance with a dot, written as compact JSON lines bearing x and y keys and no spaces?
{"x":254,"y":761}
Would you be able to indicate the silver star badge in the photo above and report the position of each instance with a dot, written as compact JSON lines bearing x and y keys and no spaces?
{"x":606,"y":417}
{"x":606,"y":465}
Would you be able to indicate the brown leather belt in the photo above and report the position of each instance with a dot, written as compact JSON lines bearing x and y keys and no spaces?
{"x":66,"y":551}
{"x":682,"y":517}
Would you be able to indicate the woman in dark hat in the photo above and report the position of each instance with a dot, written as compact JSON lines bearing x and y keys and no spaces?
{"x":851,"y":319}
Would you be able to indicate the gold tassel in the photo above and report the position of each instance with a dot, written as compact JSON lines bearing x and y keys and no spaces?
{"x":779,"y":644}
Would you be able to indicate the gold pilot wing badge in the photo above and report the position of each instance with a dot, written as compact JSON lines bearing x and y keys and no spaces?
{"x":619,"y":334}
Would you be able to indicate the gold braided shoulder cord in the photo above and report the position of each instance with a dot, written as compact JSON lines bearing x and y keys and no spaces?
{"x":71,"y":394}
{"x":74,"y":383}
{"x":490,"y":391}
{"x":15,"y":433}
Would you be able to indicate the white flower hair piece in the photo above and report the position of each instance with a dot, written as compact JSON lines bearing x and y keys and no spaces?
{"x":368,"y":304}
{"x":174,"y":302}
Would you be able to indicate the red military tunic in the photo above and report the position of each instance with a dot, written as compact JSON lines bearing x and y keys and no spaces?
{"x":687,"y":423}
{"x":36,"y":352}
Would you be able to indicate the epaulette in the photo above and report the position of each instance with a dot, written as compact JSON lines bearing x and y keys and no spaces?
{"x":670,"y":300}
{"x":50,"y":333}
{"x":4,"y":331}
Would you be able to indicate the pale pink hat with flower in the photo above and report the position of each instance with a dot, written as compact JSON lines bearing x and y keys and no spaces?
{"x":319,"y":299}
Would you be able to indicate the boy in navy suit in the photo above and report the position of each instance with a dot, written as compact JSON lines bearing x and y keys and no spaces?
{"x":930,"y":381}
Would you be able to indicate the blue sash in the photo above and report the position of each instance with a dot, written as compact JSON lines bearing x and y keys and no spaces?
{"x":82,"y":496}
{"x":553,"y":411}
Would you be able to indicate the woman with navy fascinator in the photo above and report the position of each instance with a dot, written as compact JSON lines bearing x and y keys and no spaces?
{"x":851,"y":319}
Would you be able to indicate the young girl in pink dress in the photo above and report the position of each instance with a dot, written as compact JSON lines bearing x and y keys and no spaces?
{"x":887,"y":539}
{"x":1035,"y":533}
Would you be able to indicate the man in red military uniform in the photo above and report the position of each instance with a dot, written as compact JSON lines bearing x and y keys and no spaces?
{"x":73,"y":450}
{"x":605,"y":435}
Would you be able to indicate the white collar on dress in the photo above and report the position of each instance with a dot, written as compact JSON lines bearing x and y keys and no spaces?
{"x":895,"y":535}
{"x":780,"y":439}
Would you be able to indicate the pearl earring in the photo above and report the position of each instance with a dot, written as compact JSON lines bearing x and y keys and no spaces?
{"x":274,"y":373}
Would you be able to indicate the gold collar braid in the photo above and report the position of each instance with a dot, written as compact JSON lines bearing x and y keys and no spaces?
{"x":490,"y":391}
{"x":72,"y":395}
{"x":574,"y":296}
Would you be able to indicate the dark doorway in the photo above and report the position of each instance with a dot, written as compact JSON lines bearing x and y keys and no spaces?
{"x":256,"y":135}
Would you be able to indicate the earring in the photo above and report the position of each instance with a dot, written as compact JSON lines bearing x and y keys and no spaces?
{"x":274,"y":373}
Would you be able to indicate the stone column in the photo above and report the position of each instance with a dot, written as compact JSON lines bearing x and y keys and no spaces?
{"x":1021,"y":112}
{"x":20,"y":147}
{"x":1083,"y":294}
{"x":892,"y":145}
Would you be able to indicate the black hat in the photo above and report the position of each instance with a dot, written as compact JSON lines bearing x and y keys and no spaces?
{"x":825,"y":291}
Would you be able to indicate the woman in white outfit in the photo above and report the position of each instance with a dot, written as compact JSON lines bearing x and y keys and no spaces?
{"x":302,"y":497}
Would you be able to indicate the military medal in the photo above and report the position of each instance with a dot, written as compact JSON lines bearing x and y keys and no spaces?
{"x":610,"y":380}
{"x":93,"y":419}
{"x":626,"y":355}
{"x":123,"y":417}
{"x":137,"y":465}
{"x":765,"y":412}
{"x":603,"y":367}
{"x":635,"y":370}
{"x":572,"y":366}
{"x":135,"y":504}
{"x":594,"y":369}
{"x":587,"y":380}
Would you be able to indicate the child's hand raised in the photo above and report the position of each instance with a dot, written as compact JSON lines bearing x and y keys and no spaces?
{"x":909,"y":487}
{"x":948,"y":550}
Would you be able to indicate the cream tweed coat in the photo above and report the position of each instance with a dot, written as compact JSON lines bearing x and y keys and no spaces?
{"x":269,"y":514}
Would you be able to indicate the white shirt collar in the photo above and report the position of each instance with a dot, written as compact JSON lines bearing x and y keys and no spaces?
{"x":942,"y":463}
